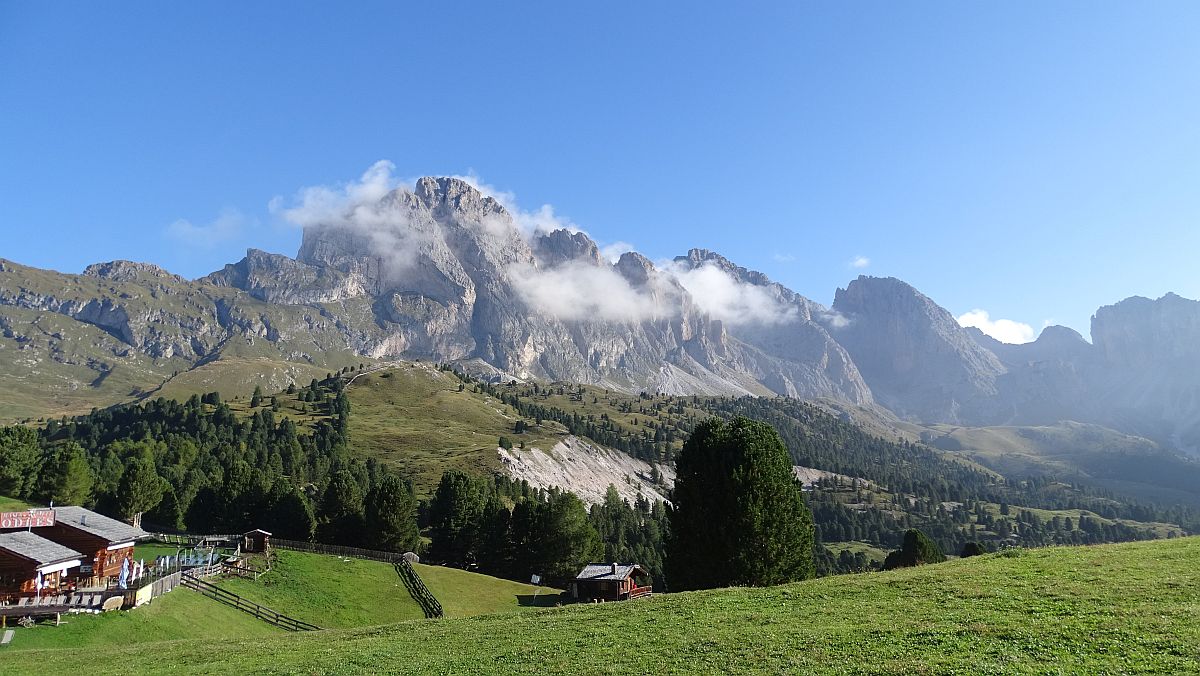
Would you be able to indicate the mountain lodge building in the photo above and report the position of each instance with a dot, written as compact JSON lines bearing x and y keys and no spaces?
{"x":611,"y":582}
{"x":27,"y":559}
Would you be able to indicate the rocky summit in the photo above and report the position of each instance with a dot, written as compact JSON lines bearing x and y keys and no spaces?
{"x":442,"y":272}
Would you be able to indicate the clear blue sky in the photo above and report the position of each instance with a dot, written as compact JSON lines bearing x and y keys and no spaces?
{"x":1034,"y":160}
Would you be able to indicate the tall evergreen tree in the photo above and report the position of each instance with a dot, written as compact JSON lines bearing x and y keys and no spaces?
{"x":391,"y":516}
{"x":342,"y":510}
{"x":19,"y":454}
{"x":141,"y":488}
{"x":289,"y":514}
{"x":567,"y":539}
{"x":66,"y":478}
{"x":739,"y":514}
{"x":454,"y":519}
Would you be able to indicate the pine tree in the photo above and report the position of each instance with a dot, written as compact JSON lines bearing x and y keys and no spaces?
{"x":454,"y":516}
{"x":141,"y":488}
{"x":256,"y":398}
{"x":739,"y":516}
{"x":342,"y":510}
{"x":916,"y":550}
{"x":66,"y":478}
{"x":567,"y":539}
{"x":973,"y":549}
{"x":289,"y":514}
{"x":391,"y":515}
{"x":19,"y":454}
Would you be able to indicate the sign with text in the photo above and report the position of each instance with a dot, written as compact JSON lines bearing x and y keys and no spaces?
{"x":34,"y":518}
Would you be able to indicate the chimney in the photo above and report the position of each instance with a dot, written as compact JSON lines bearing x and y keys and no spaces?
{"x":83,"y":519}
{"x":614,"y":568}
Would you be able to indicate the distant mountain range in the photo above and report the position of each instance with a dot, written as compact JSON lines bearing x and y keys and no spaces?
{"x":442,"y":272}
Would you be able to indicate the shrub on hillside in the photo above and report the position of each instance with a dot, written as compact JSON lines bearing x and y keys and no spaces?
{"x":917,"y":549}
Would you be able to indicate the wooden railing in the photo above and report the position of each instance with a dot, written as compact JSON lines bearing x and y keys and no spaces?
{"x":640,"y":592}
{"x":417,"y":589}
{"x":263,"y":613}
{"x":336,"y":550}
{"x":192,"y":540}
{"x":150,"y":587}
{"x":412,"y":581}
{"x":201,"y":572}
{"x":242,"y":571}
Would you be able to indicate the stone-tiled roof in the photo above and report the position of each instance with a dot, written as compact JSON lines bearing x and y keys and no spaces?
{"x":97,"y":524}
{"x":36,"y":548}
{"x":604,"y":571}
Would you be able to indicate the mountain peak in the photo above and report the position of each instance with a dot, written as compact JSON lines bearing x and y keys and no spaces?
{"x":127,"y":271}
{"x":446,"y":193}
{"x":562,"y":246}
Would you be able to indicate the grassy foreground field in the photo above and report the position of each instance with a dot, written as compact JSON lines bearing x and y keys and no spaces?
{"x":1127,"y":608}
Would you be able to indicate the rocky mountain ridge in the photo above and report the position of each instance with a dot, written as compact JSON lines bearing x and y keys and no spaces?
{"x":442,"y":272}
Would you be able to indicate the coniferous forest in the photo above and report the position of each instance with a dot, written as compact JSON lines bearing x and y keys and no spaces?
{"x":197,"y":466}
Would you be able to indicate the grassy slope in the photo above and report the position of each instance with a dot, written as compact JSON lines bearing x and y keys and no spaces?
{"x":464,"y":594}
{"x":8,"y":504}
{"x":332,"y":592}
{"x":329,"y":591}
{"x":236,"y":376}
{"x":1115,"y":608}
{"x":179,"y":614}
{"x":416,"y":419}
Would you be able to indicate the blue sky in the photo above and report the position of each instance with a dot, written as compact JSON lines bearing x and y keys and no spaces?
{"x":1032,"y":160}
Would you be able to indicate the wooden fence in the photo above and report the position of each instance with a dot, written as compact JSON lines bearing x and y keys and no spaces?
{"x":412,"y":581}
{"x":417,"y":589}
{"x":263,"y":613}
{"x":242,"y":571}
{"x":149,"y":588}
{"x":337,"y":550}
{"x":193,"y":540}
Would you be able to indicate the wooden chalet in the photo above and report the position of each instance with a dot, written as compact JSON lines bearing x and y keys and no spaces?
{"x":256,"y":541}
{"x":105,"y":542}
{"x":27,"y":558}
{"x":610,"y":582}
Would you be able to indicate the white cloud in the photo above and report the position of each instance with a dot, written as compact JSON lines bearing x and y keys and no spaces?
{"x":612,"y":252}
{"x":860,"y":262}
{"x":783,"y":258}
{"x":228,"y":225}
{"x":727,"y":298}
{"x":542,"y":219}
{"x":834,"y":319}
{"x":1003,"y":330}
{"x":577,"y":291}
{"x":346,"y":204}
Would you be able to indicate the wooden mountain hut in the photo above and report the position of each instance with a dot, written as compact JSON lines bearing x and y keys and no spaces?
{"x":256,"y":541}
{"x":611,"y":582}
{"x":27,"y":559}
{"x":105,"y":542}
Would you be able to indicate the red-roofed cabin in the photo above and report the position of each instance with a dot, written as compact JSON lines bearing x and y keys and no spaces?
{"x":611,"y":582}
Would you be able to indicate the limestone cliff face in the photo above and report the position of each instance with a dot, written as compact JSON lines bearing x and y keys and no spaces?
{"x":1150,"y":352}
{"x":914,"y":355}
{"x":437,"y":266}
